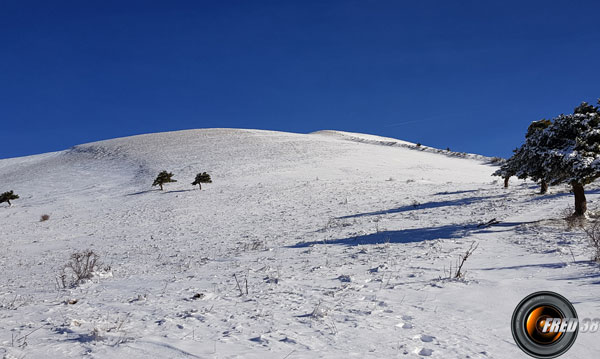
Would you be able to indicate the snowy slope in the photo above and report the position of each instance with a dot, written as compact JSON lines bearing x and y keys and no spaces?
{"x":344,"y":241}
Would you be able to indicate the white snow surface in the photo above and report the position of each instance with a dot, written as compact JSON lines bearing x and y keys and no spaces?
{"x":343,"y":242}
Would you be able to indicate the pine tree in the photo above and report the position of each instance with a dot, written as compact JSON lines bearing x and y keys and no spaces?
{"x":567,"y":150}
{"x":509,"y":167}
{"x":201,"y":178}
{"x":586,"y":108}
{"x":162,"y":178}
{"x":573,"y":154}
{"x":532,"y":162}
{"x":525,"y":163}
{"x":7,"y":197}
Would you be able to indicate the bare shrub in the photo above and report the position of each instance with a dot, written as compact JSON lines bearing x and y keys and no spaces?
{"x":497,"y":160}
{"x":572,"y":221}
{"x":254,"y":245}
{"x":318,"y":312}
{"x":593,"y":233}
{"x":80,"y":268}
{"x":83,"y":264}
{"x":334,"y":223}
{"x":13,"y":304}
{"x":44,"y":217}
{"x":239,"y":286}
{"x":459,"y":274}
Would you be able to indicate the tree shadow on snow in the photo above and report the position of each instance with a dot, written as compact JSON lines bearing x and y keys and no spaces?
{"x":561,"y":194}
{"x":157,"y":190}
{"x":417,"y":234}
{"x":456,"y":192}
{"x":181,"y":190}
{"x":590,"y":273}
{"x":556,"y":265}
{"x":436,"y":204}
{"x":400,"y":236}
{"x":141,"y":192}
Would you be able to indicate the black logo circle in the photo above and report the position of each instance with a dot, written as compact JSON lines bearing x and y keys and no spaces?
{"x":544,"y":325}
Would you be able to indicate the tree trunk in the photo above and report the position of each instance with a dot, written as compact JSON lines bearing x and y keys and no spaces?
{"x":580,"y":202}
{"x":544,"y":187}
{"x":160,"y":184}
{"x":200,"y":185}
{"x":506,"y":181}
{"x":9,"y":204}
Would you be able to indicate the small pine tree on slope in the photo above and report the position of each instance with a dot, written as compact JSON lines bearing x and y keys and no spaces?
{"x":509,"y":167}
{"x":515,"y":165}
{"x":162,"y":178}
{"x":201,"y":178}
{"x":7,"y":197}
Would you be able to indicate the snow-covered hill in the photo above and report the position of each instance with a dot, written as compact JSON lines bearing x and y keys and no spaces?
{"x":343,"y":241}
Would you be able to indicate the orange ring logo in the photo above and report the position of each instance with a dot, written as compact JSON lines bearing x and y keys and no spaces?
{"x":545,"y":325}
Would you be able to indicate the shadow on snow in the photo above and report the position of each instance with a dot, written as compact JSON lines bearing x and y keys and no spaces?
{"x":556,"y":265}
{"x":445,"y":193}
{"x":436,"y":204}
{"x":561,"y":194}
{"x":590,"y":273}
{"x":157,"y":190}
{"x":415,"y":234}
{"x":400,"y":236}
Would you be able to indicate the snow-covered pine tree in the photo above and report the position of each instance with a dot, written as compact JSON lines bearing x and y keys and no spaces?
{"x":531,"y":164}
{"x":522,"y":163}
{"x":567,"y":151}
{"x":201,"y":178}
{"x":7,"y":197}
{"x":162,"y":178}
{"x":509,"y":167}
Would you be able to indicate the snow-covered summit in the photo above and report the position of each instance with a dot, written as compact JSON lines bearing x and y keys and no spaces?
{"x":237,"y":155}
{"x":323,"y":245}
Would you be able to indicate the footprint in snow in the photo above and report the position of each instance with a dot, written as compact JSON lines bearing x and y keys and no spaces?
{"x":426,"y":352}
{"x":406,"y":324}
{"x":427,"y":338}
{"x":260,"y":339}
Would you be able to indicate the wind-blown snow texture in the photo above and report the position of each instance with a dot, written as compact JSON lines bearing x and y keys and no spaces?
{"x":345,"y":242}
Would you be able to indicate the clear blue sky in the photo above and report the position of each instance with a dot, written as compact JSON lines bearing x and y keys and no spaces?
{"x":470,"y":75}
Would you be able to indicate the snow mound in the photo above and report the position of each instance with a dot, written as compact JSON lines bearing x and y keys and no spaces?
{"x":388,"y":141}
{"x":231,"y":156}
{"x":361,"y":137}
{"x":323,"y":245}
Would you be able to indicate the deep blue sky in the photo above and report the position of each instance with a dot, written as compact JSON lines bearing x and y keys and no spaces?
{"x":470,"y":75}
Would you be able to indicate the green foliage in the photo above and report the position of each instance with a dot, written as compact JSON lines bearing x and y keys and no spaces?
{"x":537,"y":125}
{"x":7,"y":197}
{"x":563,"y":150}
{"x":586,"y":108}
{"x":524,"y":162}
{"x":531,"y":161}
{"x":162,"y":178}
{"x":201,"y":178}
{"x":570,"y":148}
